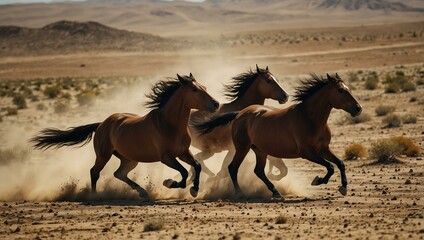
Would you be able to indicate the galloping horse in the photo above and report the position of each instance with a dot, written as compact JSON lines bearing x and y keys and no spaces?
{"x":246,"y":89}
{"x":161,"y":135}
{"x":300,"y":130}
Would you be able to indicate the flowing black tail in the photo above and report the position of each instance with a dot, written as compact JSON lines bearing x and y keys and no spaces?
{"x":216,"y":121}
{"x":53,"y":137}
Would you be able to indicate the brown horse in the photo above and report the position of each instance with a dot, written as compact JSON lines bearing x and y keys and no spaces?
{"x":161,"y":135}
{"x":300,"y":130}
{"x":246,"y":89}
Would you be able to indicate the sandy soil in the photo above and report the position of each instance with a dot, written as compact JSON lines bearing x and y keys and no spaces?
{"x":44,"y":194}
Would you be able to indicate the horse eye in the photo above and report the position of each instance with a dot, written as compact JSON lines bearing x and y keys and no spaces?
{"x":194,"y":89}
{"x":268,"y":80}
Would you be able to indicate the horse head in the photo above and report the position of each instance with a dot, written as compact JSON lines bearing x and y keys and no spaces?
{"x":196,"y":95}
{"x":269,"y":87}
{"x":341,"y":97}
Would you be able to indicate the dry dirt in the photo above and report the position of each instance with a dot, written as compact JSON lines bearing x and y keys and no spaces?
{"x":44,"y":195}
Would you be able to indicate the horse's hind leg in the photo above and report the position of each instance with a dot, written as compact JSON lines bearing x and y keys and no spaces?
{"x":329,"y":155}
{"x":234,"y":167}
{"x":259,"y":171}
{"x":122,"y":174}
{"x":280,"y":165}
{"x":96,"y":169}
{"x":187,"y":157}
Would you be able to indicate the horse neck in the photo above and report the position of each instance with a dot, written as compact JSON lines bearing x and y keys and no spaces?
{"x":317,"y":108}
{"x":175,"y":113}
{"x":250,"y":97}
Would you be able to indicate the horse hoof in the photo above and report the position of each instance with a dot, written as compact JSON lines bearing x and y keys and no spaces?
{"x":315,"y":182}
{"x":169,"y":183}
{"x":277,"y":195}
{"x":193,"y":192}
{"x":343,"y":190}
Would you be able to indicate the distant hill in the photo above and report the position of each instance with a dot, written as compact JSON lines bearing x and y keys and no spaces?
{"x":354,"y":5}
{"x":69,"y":37}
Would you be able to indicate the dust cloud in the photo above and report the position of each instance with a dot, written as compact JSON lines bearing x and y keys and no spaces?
{"x":63,"y":174}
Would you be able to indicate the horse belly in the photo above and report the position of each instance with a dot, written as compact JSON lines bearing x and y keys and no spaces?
{"x":136,"y":146}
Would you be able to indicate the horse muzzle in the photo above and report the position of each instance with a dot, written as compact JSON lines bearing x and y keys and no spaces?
{"x":356,"y":110}
{"x":213,"y":106}
{"x":283,"y":99}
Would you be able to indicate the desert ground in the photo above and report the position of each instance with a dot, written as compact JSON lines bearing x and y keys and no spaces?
{"x":76,"y":72}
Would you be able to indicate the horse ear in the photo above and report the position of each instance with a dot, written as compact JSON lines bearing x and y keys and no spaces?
{"x":337,"y":76}
{"x":330,"y":78}
{"x":182,"y":80}
{"x":267,"y":69}
{"x":257,"y":68}
{"x":191,"y":76}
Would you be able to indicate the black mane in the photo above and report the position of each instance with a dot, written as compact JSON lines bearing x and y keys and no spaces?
{"x":240,"y":84}
{"x":162,"y":92}
{"x":309,"y":87}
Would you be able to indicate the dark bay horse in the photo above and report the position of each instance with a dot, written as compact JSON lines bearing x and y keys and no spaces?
{"x":249,"y":88}
{"x":161,"y":135}
{"x":300,"y":130}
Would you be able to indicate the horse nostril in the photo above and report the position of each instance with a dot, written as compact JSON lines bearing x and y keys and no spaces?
{"x":358,"y":108}
{"x":216,"y":104}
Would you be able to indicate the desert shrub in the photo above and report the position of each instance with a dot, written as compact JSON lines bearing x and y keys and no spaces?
{"x":406,"y":146}
{"x":392,"y":88}
{"x":420,"y":81}
{"x":154,"y":225}
{"x":280,"y":220}
{"x":371,"y":82}
{"x":392,"y":120}
{"x":413,"y":99}
{"x":408,"y":119}
{"x":20,"y":101}
{"x":66,"y":96}
{"x":52,"y":91}
{"x":355,"y":151}
{"x":41,"y":107}
{"x":61,"y":107}
{"x":86,"y":98}
{"x":15,"y":154}
{"x":364,"y":117}
{"x":383,"y":110}
{"x":385,"y":151}
{"x":11,"y":111}
{"x":353,"y":77}
{"x":408,"y":86}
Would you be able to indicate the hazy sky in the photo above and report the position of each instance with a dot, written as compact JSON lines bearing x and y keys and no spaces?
{"x":32,"y":1}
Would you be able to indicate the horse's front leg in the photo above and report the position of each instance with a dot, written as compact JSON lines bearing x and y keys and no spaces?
{"x":187,"y":157}
{"x":316,"y":158}
{"x":174,"y":164}
{"x":330,"y":156}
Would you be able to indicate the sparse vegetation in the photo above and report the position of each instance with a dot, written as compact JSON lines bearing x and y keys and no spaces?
{"x":355,"y":151}
{"x":385,"y":151}
{"x":383,"y":110}
{"x":409,"y":119}
{"x":371,"y":82}
{"x":399,"y":82}
{"x":364,"y":117}
{"x":154,"y":225}
{"x":20,"y":101}
{"x":407,"y":146}
{"x":392,"y":120}
{"x":280,"y":220}
{"x":52,"y":91}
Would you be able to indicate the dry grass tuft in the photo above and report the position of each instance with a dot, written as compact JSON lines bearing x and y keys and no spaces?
{"x":154,"y":225}
{"x":392,"y":120}
{"x":355,"y":151}
{"x":383,"y":110}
